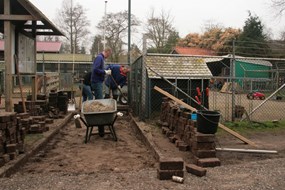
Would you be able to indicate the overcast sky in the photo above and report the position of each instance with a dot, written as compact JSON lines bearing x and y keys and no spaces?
{"x":189,"y":16}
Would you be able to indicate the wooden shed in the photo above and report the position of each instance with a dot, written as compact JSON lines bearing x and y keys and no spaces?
{"x":184,"y":72}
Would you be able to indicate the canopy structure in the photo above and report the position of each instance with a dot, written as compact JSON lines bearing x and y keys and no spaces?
{"x":22,"y":14}
{"x":21,"y":22}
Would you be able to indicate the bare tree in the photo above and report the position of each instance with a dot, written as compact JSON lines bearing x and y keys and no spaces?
{"x":73,"y":22}
{"x":116,"y":31}
{"x":279,"y":6}
{"x":97,"y":46}
{"x":159,"y":29}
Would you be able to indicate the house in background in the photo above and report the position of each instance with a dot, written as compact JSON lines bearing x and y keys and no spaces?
{"x":49,"y":47}
{"x":42,"y":47}
{"x":193,"y":51}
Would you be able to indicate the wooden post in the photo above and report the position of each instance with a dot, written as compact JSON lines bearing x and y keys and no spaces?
{"x":8,"y":58}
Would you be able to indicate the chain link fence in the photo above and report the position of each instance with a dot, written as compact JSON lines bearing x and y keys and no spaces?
{"x":238,"y":87}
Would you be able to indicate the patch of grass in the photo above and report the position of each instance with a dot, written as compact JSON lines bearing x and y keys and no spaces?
{"x":246,"y":127}
{"x":32,"y":138}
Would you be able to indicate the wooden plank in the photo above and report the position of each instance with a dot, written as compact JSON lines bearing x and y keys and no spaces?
{"x":235,"y":134}
{"x":16,"y":17}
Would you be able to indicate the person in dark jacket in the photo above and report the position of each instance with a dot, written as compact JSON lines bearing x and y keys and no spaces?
{"x":86,"y":91}
{"x":98,"y":73}
{"x":116,"y":80}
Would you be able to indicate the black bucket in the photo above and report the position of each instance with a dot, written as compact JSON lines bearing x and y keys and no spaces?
{"x":207,"y":121}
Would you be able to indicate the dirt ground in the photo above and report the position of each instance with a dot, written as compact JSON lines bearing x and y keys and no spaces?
{"x":67,"y":152}
{"x":68,"y":163}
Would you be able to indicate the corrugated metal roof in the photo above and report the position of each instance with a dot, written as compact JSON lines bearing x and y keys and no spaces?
{"x":241,"y":59}
{"x":256,"y":61}
{"x":171,"y":67}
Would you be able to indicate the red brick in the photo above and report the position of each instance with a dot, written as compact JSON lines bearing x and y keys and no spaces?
{"x":183,"y":147}
{"x":204,"y":145}
{"x":177,"y":142}
{"x":167,"y":174}
{"x":164,"y":130}
{"x":204,"y":153}
{"x":171,"y":163}
{"x":199,"y":137}
{"x":209,"y":162}
{"x":196,"y":170}
{"x":169,"y":133}
{"x":4,"y":117}
{"x":10,"y":148}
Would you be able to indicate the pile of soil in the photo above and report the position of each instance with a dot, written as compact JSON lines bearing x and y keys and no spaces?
{"x":96,"y":106}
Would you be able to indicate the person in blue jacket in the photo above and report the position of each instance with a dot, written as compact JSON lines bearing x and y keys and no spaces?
{"x":116,"y":80}
{"x":98,"y":73}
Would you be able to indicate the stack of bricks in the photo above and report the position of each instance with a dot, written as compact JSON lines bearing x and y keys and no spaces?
{"x":169,"y":167}
{"x":182,"y":131}
{"x":38,"y":125}
{"x":24,"y":119}
{"x":12,"y":136}
{"x":203,"y":148}
{"x":34,"y":108}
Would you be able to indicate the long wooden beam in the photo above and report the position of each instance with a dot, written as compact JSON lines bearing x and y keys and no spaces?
{"x":187,"y":106}
{"x":16,"y":17}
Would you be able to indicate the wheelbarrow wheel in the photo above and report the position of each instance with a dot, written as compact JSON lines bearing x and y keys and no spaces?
{"x":123,"y":99}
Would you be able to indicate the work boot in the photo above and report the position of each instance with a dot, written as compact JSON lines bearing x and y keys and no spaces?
{"x":101,"y":130}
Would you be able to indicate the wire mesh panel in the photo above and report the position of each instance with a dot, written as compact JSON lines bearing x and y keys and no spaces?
{"x":239,"y":88}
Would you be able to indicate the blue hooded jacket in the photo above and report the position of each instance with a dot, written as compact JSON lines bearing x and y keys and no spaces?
{"x":118,"y":75}
{"x":98,"y":71}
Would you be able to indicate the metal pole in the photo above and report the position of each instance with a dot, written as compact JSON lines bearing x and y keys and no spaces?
{"x":105,"y":18}
{"x":129,"y":33}
{"x":247,"y":150}
{"x":233,"y":82}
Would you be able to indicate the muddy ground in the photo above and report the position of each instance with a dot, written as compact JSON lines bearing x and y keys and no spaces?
{"x":68,"y":163}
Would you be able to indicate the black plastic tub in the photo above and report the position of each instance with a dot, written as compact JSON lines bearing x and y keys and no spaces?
{"x":207,"y":121}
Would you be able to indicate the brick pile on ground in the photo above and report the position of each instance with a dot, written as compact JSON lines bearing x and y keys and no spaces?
{"x":169,"y":167}
{"x":53,"y":106}
{"x":12,"y":135}
{"x":180,"y":129}
{"x":13,"y":128}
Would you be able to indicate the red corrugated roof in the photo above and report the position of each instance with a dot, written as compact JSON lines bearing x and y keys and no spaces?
{"x":48,"y":46}
{"x":193,"y":51}
{"x":41,"y":46}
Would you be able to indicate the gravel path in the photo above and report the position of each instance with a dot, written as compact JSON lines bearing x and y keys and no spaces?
{"x":66,"y":166}
{"x":260,"y":175}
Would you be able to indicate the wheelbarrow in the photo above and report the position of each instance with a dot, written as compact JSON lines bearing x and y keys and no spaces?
{"x":99,"y":118}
